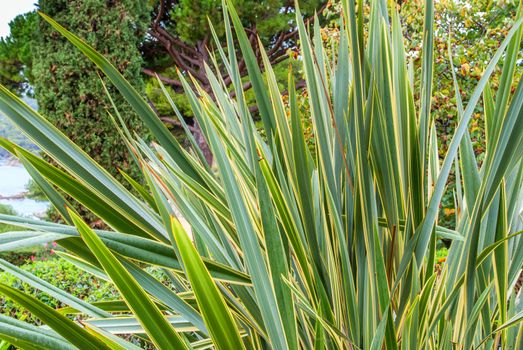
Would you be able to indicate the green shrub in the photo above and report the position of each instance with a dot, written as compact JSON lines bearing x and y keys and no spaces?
{"x":21,"y":256}
{"x":61,"y":274}
{"x":114,"y":27}
{"x":288,"y":250}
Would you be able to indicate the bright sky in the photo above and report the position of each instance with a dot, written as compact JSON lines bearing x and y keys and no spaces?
{"x":9,"y":9}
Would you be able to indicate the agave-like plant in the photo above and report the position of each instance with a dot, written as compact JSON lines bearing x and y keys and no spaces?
{"x":290,"y":248}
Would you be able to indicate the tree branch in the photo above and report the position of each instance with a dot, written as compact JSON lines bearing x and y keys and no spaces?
{"x":284,"y":36}
{"x":176,"y":122}
{"x":168,"y":81}
{"x":160,"y":13}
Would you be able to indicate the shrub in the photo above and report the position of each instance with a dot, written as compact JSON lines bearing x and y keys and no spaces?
{"x":21,"y":256}
{"x":78,"y":104}
{"x":290,"y":251}
{"x":59,"y":273}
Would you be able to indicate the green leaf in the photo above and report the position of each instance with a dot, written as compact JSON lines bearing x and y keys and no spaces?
{"x":70,"y":330}
{"x":150,"y":317}
{"x":25,"y":335}
{"x":130,"y":325}
{"x":217,"y":316}
{"x":132,"y":96}
{"x":52,"y":290}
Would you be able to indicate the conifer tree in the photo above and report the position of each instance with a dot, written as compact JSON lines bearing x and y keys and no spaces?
{"x":67,"y":85}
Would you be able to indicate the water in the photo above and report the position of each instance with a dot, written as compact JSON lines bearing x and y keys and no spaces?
{"x":27,"y":207}
{"x":13,"y":181}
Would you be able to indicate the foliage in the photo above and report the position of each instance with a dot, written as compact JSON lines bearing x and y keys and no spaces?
{"x":175,"y":41}
{"x":61,"y":274}
{"x":474,"y":30}
{"x":78,"y":104}
{"x":288,"y":250}
{"x":183,"y":44}
{"x":5,"y":209}
{"x":16,"y":53}
{"x":190,"y":20}
{"x":181,"y":38}
{"x":21,"y":256}
{"x":9,"y":131}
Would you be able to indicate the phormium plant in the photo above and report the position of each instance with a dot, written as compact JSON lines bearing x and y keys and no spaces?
{"x":287,"y":250}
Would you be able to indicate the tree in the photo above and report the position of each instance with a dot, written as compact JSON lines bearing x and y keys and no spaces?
{"x":67,"y":86}
{"x":180,"y":40}
{"x":180,"y":30}
{"x":474,"y":30}
{"x":16,"y":54}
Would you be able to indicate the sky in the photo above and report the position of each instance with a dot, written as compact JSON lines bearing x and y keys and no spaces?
{"x":9,"y":9}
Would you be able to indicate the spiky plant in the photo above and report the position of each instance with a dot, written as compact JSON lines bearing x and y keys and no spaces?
{"x":291,"y":250}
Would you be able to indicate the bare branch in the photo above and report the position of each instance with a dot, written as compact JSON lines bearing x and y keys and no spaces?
{"x":168,"y":81}
{"x":279,"y":58}
{"x":160,"y":13}
{"x":175,"y":122}
{"x":284,"y":36}
{"x":277,"y":44}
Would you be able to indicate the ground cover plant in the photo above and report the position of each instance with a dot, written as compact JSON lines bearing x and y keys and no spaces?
{"x":61,"y":274}
{"x":281,"y":249}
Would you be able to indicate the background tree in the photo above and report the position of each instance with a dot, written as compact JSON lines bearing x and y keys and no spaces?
{"x":67,"y":86}
{"x":180,"y":38}
{"x":16,"y":54}
{"x":180,"y":30}
{"x":474,"y":30}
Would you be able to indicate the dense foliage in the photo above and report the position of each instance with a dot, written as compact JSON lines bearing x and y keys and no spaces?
{"x":474,"y":30}
{"x":181,"y":37}
{"x":69,"y":91}
{"x":16,"y":55}
{"x":281,"y":246}
{"x":60,"y":273}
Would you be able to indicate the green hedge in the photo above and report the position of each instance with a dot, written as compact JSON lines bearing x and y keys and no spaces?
{"x":61,"y":274}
